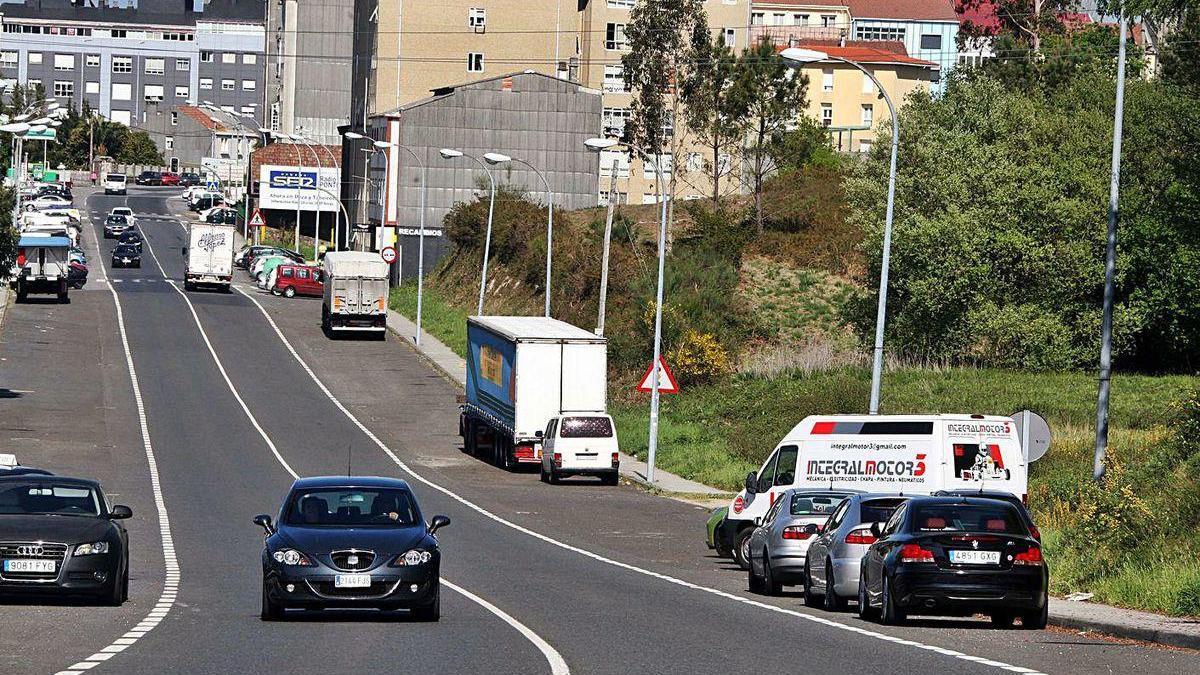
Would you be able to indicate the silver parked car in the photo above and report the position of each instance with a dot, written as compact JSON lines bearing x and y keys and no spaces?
{"x":832,"y":566}
{"x":778,"y":547}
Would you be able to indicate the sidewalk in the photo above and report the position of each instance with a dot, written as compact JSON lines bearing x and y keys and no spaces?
{"x":1126,"y":623}
{"x":454,"y":367}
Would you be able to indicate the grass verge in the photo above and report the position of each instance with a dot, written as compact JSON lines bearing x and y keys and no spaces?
{"x":439,"y":318}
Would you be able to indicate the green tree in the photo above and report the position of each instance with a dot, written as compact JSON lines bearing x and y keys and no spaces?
{"x":138,"y":148}
{"x":768,"y":96}
{"x":1180,"y":56}
{"x":711,"y":116}
{"x":8,"y":233}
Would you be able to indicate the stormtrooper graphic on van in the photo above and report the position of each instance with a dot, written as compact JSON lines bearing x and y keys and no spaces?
{"x":980,"y":462}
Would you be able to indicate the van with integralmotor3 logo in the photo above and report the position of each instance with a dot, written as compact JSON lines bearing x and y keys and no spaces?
{"x":898,"y":454}
{"x":209,"y":257}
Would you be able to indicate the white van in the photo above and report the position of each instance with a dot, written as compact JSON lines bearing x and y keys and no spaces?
{"x":582,"y":444}
{"x":114,"y":183}
{"x":906,"y":454}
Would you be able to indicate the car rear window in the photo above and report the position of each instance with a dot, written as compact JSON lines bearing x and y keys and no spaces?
{"x":586,"y":427}
{"x":115,"y":177}
{"x":879,"y":510}
{"x":997,"y":519}
{"x":815,"y":505}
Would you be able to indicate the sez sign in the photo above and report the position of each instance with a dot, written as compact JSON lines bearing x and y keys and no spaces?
{"x":286,"y":187}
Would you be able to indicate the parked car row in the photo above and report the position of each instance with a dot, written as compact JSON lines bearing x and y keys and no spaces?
{"x":48,"y":258}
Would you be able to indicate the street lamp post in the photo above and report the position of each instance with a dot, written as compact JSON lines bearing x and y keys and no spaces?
{"x":796,"y":57}
{"x":420,"y":236}
{"x":317,"y":212}
{"x":448,"y":153}
{"x":497,"y":158}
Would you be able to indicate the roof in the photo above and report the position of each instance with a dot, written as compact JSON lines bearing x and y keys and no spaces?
{"x":866,"y":52}
{"x":312,"y":482}
{"x":916,"y":10}
{"x":507,"y":81}
{"x":27,"y":241}
{"x":533,"y":328}
{"x":296,"y":154}
{"x":202,"y":117}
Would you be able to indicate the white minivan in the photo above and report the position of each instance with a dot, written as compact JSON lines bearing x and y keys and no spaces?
{"x":114,"y":183}
{"x":580,"y":444}
{"x":905,"y":454}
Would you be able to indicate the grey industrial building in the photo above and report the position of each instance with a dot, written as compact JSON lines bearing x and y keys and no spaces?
{"x":309,"y":49}
{"x":526,"y":115}
{"x":128,"y":58}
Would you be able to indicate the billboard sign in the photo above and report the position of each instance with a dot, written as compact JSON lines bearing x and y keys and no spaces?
{"x":283,"y":187}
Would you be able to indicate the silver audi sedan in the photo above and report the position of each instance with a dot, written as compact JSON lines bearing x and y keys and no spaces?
{"x":832,"y":564}
{"x":779,"y":545}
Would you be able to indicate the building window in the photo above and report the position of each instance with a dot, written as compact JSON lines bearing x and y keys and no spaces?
{"x":777,"y":19}
{"x":826,"y":114}
{"x":621,"y":197}
{"x":477,"y":17}
{"x":931,"y":41}
{"x":120,"y":117}
{"x":614,"y":79}
{"x":169,"y":143}
{"x":879,"y":33}
{"x":181,"y":91}
{"x":474,"y":62}
{"x":152,"y":93}
{"x":174,"y":118}
{"x":868,"y":85}
{"x":35,"y":58}
{"x":64,"y":89}
{"x":155,"y":66}
{"x":228,"y":57}
{"x":828,"y":20}
{"x":619,"y":157}
{"x":865,"y":146}
{"x":92,"y":60}
{"x":9,"y":59}
{"x":621,"y":4}
{"x":122,"y":64}
{"x":249,"y":85}
{"x":206,"y":57}
{"x":206,"y":83}
{"x":695,"y":162}
{"x":183,"y":64}
{"x":756,"y":18}
{"x":33,"y":83}
{"x":91,"y":88}
{"x":730,"y":37}
{"x":650,"y":170}
{"x":227,"y":85}
{"x":650,"y":198}
{"x":868,"y":114}
{"x":799,"y":19}
{"x":827,"y":79}
{"x":613,"y":120}
{"x":121,"y":91}
{"x":64,"y":62}
{"x":614,"y":37}
{"x":249,"y":59}
{"x":247,"y":110}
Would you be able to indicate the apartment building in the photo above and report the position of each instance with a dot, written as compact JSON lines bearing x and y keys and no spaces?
{"x":309,"y":50}
{"x":128,"y":59}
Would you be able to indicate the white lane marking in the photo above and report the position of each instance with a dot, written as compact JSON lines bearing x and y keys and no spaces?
{"x":557,"y":665}
{"x":171,"y":564}
{"x":616,"y":563}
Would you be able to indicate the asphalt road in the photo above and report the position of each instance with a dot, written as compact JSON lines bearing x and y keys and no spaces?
{"x":242,"y":390}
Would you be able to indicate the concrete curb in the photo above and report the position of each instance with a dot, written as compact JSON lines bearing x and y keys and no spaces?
{"x":1126,"y":623}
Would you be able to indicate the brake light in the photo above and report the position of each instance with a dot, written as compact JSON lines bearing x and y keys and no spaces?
{"x":1037,"y":534}
{"x":1032,"y":556}
{"x":739,"y":504}
{"x":558,"y":459}
{"x":796,"y":532}
{"x":913,"y":553}
{"x":860,"y":536}
{"x":616,"y":460}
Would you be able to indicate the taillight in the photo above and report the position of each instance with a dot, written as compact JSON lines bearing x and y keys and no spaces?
{"x":796,"y":532}
{"x":739,"y":504}
{"x":558,"y":459}
{"x":1037,"y":534}
{"x":1032,"y":556}
{"x":860,"y":536}
{"x":616,"y":460}
{"x":913,"y":553}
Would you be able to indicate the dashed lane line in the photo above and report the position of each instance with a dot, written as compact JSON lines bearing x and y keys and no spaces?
{"x":617,"y":563}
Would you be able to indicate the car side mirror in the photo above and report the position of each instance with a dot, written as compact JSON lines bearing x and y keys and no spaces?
{"x":812,"y":528}
{"x":751,"y":483}
{"x":184,"y":250}
{"x":438,"y":523}
{"x":540,"y":433}
{"x":877,"y":530}
{"x":120,"y":512}
{"x":264,"y":521}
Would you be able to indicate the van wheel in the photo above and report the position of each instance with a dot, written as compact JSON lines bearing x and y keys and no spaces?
{"x":833,"y":603}
{"x":810,"y":596}
{"x":275,"y":291}
{"x":741,"y":547}
{"x":289,"y":292}
{"x":545,"y":475}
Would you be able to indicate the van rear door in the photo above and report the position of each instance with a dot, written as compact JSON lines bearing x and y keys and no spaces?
{"x":984,"y":455}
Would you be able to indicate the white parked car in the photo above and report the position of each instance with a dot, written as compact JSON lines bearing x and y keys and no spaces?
{"x":583,"y":444}
{"x":47,"y":200}
{"x":190,"y":192}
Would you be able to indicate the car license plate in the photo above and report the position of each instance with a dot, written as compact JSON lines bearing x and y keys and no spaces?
{"x":124,"y":260}
{"x":47,"y":566}
{"x":352,"y":581}
{"x":975,"y":557}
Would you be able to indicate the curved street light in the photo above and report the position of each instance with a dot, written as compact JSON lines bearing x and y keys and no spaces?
{"x":450,"y":153}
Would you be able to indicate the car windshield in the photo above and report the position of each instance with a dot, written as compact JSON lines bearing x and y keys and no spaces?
{"x":998,"y":518}
{"x":117,"y":219}
{"x":815,"y":505}
{"x":351,"y":507}
{"x":46,"y":497}
{"x":125,"y":249}
{"x":586,"y":427}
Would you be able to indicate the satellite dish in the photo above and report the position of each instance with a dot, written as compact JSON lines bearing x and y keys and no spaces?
{"x":1034,"y":434}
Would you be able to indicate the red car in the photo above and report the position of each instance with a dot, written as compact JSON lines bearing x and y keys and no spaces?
{"x":293,"y":280}
{"x":170,"y":178}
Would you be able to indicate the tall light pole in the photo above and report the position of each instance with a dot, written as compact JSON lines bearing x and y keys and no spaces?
{"x":420,"y":235}
{"x":317,"y":212}
{"x":497,"y":158}
{"x":796,"y":57}
{"x":1110,"y":266}
{"x":448,"y":153}
{"x":652,"y":445}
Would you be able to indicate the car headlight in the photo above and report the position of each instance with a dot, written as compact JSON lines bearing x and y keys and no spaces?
{"x":413,"y":557}
{"x":290,"y":556}
{"x":92,"y":549}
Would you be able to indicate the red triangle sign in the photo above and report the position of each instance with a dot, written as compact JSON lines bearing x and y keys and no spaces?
{"x":666,"y":379}
{"x":257,"y":220}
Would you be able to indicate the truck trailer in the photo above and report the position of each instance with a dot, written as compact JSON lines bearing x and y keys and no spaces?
{"x":522,"y":371}
{"x":355,"y":294}
{"x":209,"y":257}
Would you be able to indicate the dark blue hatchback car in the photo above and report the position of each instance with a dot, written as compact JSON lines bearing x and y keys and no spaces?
{"x":351,"y":542}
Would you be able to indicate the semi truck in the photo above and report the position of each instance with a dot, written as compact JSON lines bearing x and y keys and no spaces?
{"x":209,"y":257}
{"x":42,"y":266}
{"x":523,"y":372}
{"x":356,"y":293}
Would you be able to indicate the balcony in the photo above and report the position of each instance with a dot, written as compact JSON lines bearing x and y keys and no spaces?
{"x":789,"y":36}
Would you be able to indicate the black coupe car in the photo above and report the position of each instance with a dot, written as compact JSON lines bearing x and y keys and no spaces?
{"x":351,"y":542}
{"x":126,"y":255}
{"x":58,"y":536}
{"x":955,"y":556}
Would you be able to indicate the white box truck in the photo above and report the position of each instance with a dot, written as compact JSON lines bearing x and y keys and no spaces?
{"x":522,"y":373}
{"x":209,"y":257}
{"x":356,"y":293}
